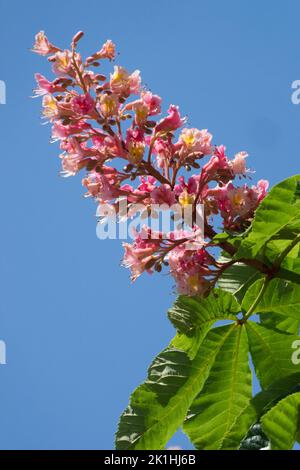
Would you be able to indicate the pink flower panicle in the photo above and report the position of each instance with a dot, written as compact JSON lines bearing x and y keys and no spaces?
{"x":100,"y":120}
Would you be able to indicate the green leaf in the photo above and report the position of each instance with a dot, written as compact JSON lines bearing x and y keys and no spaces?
{"x":237,"y":278}
{"x":268,"y":398}
{"x":280,"y":296}
{"x":193,"y":317}
{"x":278,"y":322}
{"x":281,"y":423}
{"x":158,"y":407}
{"x":259,"y":405}
{"x":275,"y":247}
{"x":279,"y":209}
{"x":225,"y":396}
{"x":271,"y":353}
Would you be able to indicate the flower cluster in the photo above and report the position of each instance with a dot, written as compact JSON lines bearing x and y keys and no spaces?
{"x":100,"y":120}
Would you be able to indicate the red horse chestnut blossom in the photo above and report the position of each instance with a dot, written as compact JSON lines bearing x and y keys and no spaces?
{"x":100,"y":121}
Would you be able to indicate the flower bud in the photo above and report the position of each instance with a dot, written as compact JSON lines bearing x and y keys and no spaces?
{"x":77,"y":37}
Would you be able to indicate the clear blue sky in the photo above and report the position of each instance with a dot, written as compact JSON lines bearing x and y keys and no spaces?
{"x":78,"y":336}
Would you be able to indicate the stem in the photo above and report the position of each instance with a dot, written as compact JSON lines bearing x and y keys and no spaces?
{"x":175,"y":171}
{"x":150,"y":151}
{"x":78,"y":72}
{"x":153,"y":172}
{"x":257,"y":300}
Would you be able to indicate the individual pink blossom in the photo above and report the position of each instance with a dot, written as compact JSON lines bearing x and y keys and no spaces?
{"x":45,"y":86}
{"x":218,"y":167}
{"x":70,"y":164}
{"x":140,"y":253}
{"x":83,"y":105}
{"x":172,"y":122}
{"x":124,"y":84}
{"x":261,"y":189}
{"x":164,"y":151}
{"x":109,"y":105}
{"x":163,"y":195}
{"x":189,"y":268}
{"x":62,"y":63}
{"x":103,"y":185}
{"x":50,"y":108}
{"x":42,"y":46}
{"x":153,"y":102}
{"x":135,"y":144}
{"x":196,"y":141}
{"x":238,"y":164}
{"x":147,"y":184}
{"x":60,"y":131}
{"x":107,"y":51}
{"x":141,"y":112}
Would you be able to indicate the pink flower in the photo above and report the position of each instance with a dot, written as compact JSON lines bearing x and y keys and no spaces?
{"x":238,"y":164}
{"x":124,"y":84}
{"x":141,"y":112}
{"x":135,"y":144}
{"x":62,"y":62}
{"x":103,"y":185}
{"x":44,"y":86}
{"x":163,"y":195}
{"x":70,"y":164}
{"x":140,"y":253}
{"x":164,"y":150}
{"x":153,"y":102}
{"x":189,"y":268}
{"x":108,"y":51}
{"x":109,"y":105}
{"x":95,"y":124}
{"x":261,"y":189}
{"x":50,"y":107}
{"x":147,"y":184}
{"x":172,"y":122}
{"x":42,"y":46}
{"x":218,"y":167}
{"x":135,"y":82}
{"x":237,"y":204}
{"x":196,"y":141}
{"x":60,"y":131}
{"x":83,"y":105}
{"x":191,"y":186}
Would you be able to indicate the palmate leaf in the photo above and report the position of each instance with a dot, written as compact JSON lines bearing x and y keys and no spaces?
{"x":279,"y":307}
{"x":237,"y":278}
{"x":280,"y":296}
{"x":280,"y":210}
{"x":194,"y":317}
{"x":281,"y":423}
{"x":274,"y":248}
{"x":279,"y":322}
{"x":225,"y":396}
{"x":271,"y":353}
{"x":158,"y":407}
{"x":260,"y":404}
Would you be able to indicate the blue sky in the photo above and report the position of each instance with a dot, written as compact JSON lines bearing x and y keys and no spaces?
{"x":79,"y":336}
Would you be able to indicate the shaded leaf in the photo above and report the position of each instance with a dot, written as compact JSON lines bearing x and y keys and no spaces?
{"x":158,"y":407}
{"x":271,"y":353}
{"x":193,"y":317}
{"x":225,"y":396}
{"x":280,"y":296}
{"x":237,"y":278}
{"x":281,"y":423}
{"x":279,"y":210}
